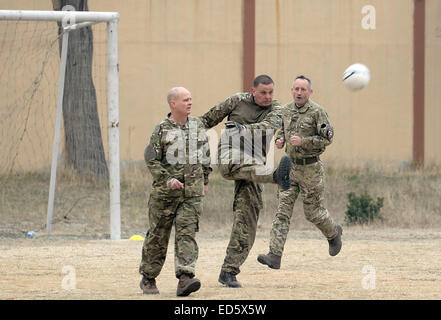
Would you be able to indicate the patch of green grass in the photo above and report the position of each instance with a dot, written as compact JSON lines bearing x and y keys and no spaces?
{"x":363,"y":209}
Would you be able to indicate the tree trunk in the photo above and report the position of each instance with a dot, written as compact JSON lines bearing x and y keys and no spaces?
{"x":84,"y":146}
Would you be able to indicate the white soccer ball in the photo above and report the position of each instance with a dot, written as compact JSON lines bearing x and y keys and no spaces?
{"x":356,"y":76}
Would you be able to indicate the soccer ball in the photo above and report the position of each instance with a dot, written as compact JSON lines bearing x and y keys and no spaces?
{"x":356,"y":76}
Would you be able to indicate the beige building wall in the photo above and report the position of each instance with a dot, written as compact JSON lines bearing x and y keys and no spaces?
{"x":432,"y":112}
{"x":321,"y":39}
{"x":29,"y":69}
{"x":198,"y":44}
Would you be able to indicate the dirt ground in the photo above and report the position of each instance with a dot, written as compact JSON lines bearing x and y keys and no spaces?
{"x":373,"y":264}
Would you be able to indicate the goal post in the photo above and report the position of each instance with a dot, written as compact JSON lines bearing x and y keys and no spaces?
{"x":78,"y":19}
{"x":113,"y":98}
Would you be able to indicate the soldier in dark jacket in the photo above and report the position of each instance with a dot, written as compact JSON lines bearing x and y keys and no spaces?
{"x":242,"y":109}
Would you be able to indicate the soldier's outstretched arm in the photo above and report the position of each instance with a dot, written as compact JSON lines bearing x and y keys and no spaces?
{"x":273,"y":120}
{"x":219,"y":112}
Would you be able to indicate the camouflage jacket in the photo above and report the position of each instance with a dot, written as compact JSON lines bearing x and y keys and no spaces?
{"x":178,"y":152}
{"x":240,"y":108}
{"x":310,"y":122}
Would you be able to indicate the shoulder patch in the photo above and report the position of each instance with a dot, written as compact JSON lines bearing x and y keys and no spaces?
{"x":330,"y":132}
{"x":326,"y":131}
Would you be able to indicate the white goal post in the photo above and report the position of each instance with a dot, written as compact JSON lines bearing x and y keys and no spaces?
{"x":72,"y":20}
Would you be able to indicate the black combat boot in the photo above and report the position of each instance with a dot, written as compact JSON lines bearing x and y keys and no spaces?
{"x":271,"y":260}
{"x":281,"y":175}
{"x":187,"y":284}
{"x":335,"y":243}
{"x":229,"y":279}
{"x":148,"y":286}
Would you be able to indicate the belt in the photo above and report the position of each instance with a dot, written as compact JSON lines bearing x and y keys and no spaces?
{"x":305,"y":160}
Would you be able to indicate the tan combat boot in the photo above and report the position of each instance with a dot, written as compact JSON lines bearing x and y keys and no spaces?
{"x":271,"y":260}
{"x":186,"y":285}
{"x":148,"y":286}
{"x":335,"y":243}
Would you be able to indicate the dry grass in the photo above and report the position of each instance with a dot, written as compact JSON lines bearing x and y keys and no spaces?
{"x":403,"y":249}
{"x":33,"y":269}
{"x":411,"y":197}
{"x":411,"y":200}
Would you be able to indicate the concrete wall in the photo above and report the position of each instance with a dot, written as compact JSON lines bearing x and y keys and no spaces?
{"x":432,"y":113}
{"x":320,"y":39}
{"x":195,"y":44}
{"x":198,"y":44}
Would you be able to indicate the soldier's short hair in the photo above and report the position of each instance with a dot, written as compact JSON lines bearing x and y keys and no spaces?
{"x":262,"y":79}
{"x":303,"y":78}
{"x":172,"y":94}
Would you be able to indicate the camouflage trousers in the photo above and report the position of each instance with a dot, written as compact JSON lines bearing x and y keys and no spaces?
{"x":242,"y":164}
{"x":246,"y":207}
{"x":184,"y":214}
{"x":250,"y":172}
{"x":306,"y":180}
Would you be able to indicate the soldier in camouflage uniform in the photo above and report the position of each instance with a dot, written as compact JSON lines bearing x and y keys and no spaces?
{"x":245,"y":108}
{"x":306,"y":131}
{"x":178,"y":159}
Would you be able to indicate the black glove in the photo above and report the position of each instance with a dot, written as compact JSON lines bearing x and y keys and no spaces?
{"x":233,"y":125}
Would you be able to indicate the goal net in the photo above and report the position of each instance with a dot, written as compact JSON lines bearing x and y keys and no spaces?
{"x":87,"y":149}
